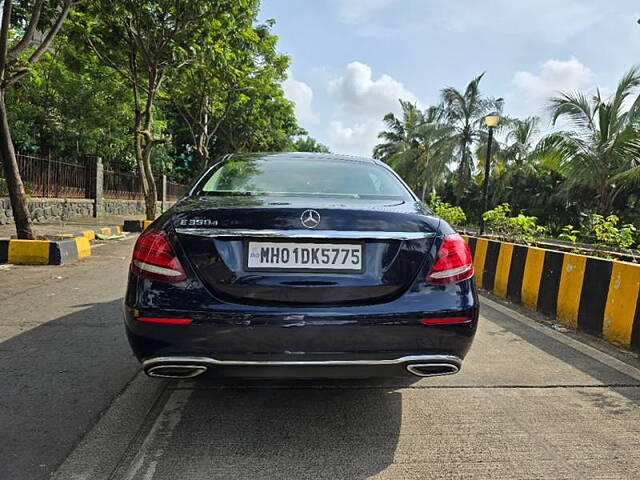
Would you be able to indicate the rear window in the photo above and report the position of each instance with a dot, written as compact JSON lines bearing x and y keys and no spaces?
{"x":291,"y":176}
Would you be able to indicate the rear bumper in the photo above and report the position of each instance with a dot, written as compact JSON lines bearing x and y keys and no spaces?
{"x":275,"y":341}
{"x":280,"y":346}
{"x":413,"y":365}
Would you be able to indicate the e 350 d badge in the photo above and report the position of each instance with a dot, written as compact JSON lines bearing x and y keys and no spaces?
{"x":198,"y":222}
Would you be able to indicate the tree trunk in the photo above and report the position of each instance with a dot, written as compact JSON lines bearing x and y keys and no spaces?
{"x":603,"y":205}
{"x":151,"y":196}
{"x":17,"y":195}
{"x":137,"y":138}
{"x":462,"y":172}
{"x":151,"y":193}
{"x":515,"y":193}
{"x":424,"y":190}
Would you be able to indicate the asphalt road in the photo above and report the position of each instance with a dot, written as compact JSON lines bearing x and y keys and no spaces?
{"x":63,"y":356}
{"x":530,"y":403}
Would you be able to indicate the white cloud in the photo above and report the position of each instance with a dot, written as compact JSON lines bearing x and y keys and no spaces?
{"x":360,"y":101}
{"x":358,"y":139}
{"x":302,"y":95}
{"x":360,"y":11}
{"x":532,"y":91}
{"x":357,"y":93}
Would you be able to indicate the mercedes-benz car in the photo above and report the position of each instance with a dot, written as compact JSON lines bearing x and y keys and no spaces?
{"x":300,"y":265}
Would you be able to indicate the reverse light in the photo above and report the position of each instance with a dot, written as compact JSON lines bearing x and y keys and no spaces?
{"x":453,"y":261}
{"x":153,"y":258}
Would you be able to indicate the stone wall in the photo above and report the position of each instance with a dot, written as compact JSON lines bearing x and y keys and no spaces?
{"x":128,"y":207}
{"x":45,"y":210}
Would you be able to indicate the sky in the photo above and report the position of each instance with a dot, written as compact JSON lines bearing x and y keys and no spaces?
{"x":351,"y":60}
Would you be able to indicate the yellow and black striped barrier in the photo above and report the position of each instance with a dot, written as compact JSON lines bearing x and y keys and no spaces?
{"x":592,"y":294}
{"x":44,"y":252}
{"x":70,"y":247}
{"x":136,"y":225}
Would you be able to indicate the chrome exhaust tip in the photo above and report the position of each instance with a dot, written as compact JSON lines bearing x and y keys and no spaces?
{"x":432,"y":369}
{"x":176,"y":371}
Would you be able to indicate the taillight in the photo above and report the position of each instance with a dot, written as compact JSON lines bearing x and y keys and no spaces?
{"x":453,"y":261}
{"x":153,"y":258}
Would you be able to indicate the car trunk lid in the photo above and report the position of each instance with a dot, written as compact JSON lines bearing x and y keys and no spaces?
{"x":395,"y":238}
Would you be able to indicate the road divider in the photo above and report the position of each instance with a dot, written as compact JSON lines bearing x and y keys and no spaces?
{"x":57,"y":250}
{"x":591,"y":294}
{"x":44,"y":252}
{"x":136,"y":225}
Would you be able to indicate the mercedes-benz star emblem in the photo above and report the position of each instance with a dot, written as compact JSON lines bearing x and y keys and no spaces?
{"x":310,"y":218}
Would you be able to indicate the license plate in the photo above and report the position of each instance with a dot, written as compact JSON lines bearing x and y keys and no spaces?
{"x":297,"y":257}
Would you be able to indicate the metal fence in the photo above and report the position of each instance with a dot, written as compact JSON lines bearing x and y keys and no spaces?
{"x":175,"y":191}
{"x":121,"y":186}
{"x":45,"y":177}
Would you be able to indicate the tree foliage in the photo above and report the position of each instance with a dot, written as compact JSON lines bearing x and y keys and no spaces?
{"x":26,"y":34}
{"x":592,"y":165}
{"x":153,"y":86}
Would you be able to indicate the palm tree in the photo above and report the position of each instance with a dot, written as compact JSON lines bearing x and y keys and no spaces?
{"x":602,"y":152}
{"x":465,"y":112}
{"x":418,"y":146}
{"x":521,"y":155}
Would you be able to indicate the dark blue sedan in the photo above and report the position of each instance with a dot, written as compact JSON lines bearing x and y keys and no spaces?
{"x":300,"y":265}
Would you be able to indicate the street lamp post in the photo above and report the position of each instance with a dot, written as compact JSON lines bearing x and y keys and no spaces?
{"x":492,"y":122}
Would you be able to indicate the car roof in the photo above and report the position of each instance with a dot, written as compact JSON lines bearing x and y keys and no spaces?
{"x":302,"y":156}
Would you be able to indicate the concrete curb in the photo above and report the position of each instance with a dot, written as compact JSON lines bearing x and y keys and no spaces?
{"x":594,"y":295}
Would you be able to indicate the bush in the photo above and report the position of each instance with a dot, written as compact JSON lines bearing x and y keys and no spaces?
{"x":452,"y":215}
{"x":606,"y":231}
{"x":522,"y":229}
{"x":569,"y":234}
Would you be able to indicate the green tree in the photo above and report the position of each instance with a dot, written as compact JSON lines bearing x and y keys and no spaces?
{"x":514,"y":160}
{"x":17,"y":59}
{"x":418,"y":145}
{"x":465,"y":111}
{"x":144,"y":41}
{"x":308,"y":144}
{"x":602,"y":151}
{"x":70,"y":105}
{"x":204,"y":91}
{"x":260,"y":118}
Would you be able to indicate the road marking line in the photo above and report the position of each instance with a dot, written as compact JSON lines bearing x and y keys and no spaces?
{"x":160,"y":434}
{"x":588,"y":350}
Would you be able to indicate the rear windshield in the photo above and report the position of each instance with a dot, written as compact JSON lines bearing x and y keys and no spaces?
{"x":290,"y":176}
